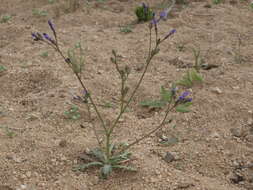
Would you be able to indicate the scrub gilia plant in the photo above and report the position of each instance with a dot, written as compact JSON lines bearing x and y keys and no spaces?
{"x":110,"y":155}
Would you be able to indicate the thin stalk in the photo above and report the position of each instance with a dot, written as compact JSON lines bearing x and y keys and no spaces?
{"x":91,"y":99}
{"x":83,"y":86}
{"x":151,"y":132}
{"x":93,"y":127}
{"x":134,"y":91}
{"x":122,"y":94}
{"x":148,"y":60}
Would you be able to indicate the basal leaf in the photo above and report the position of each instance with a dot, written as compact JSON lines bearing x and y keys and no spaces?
{"x":196,"y":76}
{"x":106,"y":170}
{"x":125,"y":168}
{"x":153,"y":103}
{"x":98,"y":154}
{"x":86,"y":166}
{"x":184,"y":108}
{"x":165,"y":94}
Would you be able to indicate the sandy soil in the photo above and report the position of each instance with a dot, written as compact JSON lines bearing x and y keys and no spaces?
{"x":39,"y":146}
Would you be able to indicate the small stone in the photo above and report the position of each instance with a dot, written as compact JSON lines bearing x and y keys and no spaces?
{"x":169,"y":157}
{"x":28,"y":174}
{"x":176,"y":156}
{"x":63,"y":158}
{"x":215,"y":135}
{"x":216,"y":90}
{"x":236,"y":87}
{"x":250,"y":121}
{"x":184,"y":185}
{"x":63,"y":143}
{"x":121,"y":120}
{"x":99,"y":72}
{"x":235,"y":178}
{"x":17,"y":159}
{"x":23,"y":186}
{"x":236,"y":132}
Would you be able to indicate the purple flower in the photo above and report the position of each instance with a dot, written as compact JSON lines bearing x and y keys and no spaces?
{"x":163,"y":15}
{"x":37,"y":36}
{"x":169,"y":34}
{"x":47,"y":37}
{"x":154,"y":22}
{"x":144,"y":6}
{"x":183,"y":96}
{"x":51,"y":26}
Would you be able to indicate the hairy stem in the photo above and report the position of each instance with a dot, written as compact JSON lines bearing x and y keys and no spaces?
{"x":83,"y":86}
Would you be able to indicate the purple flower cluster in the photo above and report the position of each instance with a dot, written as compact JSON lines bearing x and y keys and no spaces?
{"x":183,"y":98}
{"x":154,"y":22}
{"x":44,"y":36}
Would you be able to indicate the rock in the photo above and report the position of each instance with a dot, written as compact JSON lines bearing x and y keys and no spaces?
{"x":28,"y":174}
{"x":184,"y":185}
{"x":176,"y":156}
{"x":23,"y":186}
{"x":215,"y":135}
{"x":216,"y":90}
{"x":63,"y":143}
{"x":250,"y":121}
{"x":237,"y":132}
{"x":169,"y":157}
{"x":168,"y":140}
{"x":17,"y":159}
{"x":235,"y":178}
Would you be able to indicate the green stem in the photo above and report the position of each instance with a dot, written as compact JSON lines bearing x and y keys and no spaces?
{"x":151,"y":132}
{"x":108,"y":134}
{"x":83,"y":86}
{"x":134,"y":91}
{"x":122,"y":94}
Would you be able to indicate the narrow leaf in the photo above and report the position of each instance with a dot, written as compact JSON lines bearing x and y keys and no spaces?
{"x":165,"y":94}
{"x":86,"y":166}
{"x":125,"y":168}
{"x":106,"y":170}
{"x":153,"y":103}
{"x":184,"y":108}
{"x":195,"y":76}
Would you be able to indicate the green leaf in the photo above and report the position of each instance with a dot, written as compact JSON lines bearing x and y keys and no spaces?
{"x":111,"y":148}
{"x":165,"y":94}
{"x":106,"y":170}
{"x":98,"y":154}
{"x":125,"y":168}
{"x":2,"y":68}
{"x":195,"y":76}
{"x":189,"y":78}
{"x":184,"y":108}
{"x":86,"y":166}
{"x":118,"y":158}
{"x":153,"y":103}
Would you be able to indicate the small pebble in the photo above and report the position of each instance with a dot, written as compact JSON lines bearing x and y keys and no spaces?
{"x":63,"y":143}
{"x":216,"y":90}
{"x":236,"y":132}
{"x":169,"y":157}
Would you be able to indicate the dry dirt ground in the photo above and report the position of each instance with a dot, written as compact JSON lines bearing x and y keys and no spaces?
{"x":39,"y":146}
